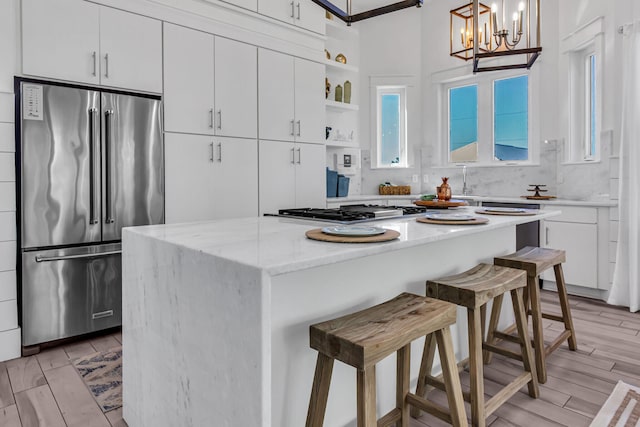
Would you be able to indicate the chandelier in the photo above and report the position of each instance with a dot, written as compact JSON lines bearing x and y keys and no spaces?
{"x":485,"y":34}
{"x":349,"y":17}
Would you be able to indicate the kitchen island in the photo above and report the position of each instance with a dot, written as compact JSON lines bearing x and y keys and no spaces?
{"x":216,"y":314}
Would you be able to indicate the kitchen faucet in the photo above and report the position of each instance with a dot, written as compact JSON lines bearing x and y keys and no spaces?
{"x":464,"y":180}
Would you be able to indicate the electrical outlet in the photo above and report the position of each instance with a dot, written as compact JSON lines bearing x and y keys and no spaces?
{"x":414,"y":178}
{"x":425,"y":179}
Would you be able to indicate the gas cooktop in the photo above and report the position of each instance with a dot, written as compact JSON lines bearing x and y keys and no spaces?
{"x":352,"y":213}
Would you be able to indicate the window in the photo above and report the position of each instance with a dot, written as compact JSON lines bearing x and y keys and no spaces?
{"x":488,"y":121}
{"x":463,"y":124}
{"x":590,"y":107}
{"x":510,"y":119}
{"x":391,"y":126}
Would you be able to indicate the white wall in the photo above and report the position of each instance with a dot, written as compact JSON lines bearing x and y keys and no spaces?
{"x":9,"y":331}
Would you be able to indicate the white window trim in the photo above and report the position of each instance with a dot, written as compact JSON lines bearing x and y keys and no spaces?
{"x":576,"y":48}
{"x":408,"y":84}
{"x":485,"y":116}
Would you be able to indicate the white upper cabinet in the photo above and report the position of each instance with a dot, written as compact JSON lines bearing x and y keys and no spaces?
{"x":247,"y":4}
{"x":83,"y":42}
{"x":290,"y":98}
{"x":309,"y":101}
{"x":276,"y":95}
{"x":236,"y":88}
{"x":61,"y":40}
{"x":188,"y":80}
{"x":301,"y":13}
{"x":131,"y":51}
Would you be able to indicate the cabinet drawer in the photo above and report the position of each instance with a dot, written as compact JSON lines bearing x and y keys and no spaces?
{"x":573,"y":214}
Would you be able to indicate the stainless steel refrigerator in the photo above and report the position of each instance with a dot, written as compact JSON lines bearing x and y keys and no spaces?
{"x":90,"y":163}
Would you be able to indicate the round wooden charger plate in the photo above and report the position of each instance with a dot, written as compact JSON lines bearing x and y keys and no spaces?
{"x":317,"y":234}
{"x":474,"y":221}
{"x":441,"y":204}
{"x":528,"y":213}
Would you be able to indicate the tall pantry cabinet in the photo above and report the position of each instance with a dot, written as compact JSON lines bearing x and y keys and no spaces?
{"x":211,"y":157}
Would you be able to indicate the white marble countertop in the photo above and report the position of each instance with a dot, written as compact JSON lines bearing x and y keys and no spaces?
{"x":278,"y":245}
{"x":503,"y":199}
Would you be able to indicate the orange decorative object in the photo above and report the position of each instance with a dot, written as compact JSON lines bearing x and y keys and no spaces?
{"x":444,"y":191}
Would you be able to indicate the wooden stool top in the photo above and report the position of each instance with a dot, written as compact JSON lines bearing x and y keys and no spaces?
{"x":363,"y":338}
{"x":475,"y":287}
{"x":532,"y":259}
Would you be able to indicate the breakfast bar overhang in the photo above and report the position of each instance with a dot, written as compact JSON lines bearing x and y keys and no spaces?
{"x":216,"y":314}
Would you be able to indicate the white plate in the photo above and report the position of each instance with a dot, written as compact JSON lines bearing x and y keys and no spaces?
{"x":353,"y":230}
{"x":505,"y":210}
{"x":450,"y":216}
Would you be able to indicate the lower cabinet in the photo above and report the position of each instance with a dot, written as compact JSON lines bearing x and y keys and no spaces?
{"x":291,"y":175}
{"x":210,"y":177}
{"x":582,"y":233}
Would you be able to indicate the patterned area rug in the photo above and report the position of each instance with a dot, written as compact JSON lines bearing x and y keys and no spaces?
{"x":622,"y":408}
{"x":102,"y":374}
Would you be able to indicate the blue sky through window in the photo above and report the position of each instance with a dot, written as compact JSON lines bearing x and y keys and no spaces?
{"x":390,"y":131}
{"x":463,"y":117}
{"x":510,"y":120}
{"x":592,"y":106}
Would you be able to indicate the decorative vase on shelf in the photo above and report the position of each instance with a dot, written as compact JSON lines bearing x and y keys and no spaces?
{"x":444,"y":191}
{"x":338,"y":93}
{"x":347,"y":92}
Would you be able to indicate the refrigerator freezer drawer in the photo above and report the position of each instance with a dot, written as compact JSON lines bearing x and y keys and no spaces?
{"x":69,"y":292}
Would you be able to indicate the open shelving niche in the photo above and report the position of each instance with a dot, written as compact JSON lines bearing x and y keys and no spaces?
{"x":343,"y":117}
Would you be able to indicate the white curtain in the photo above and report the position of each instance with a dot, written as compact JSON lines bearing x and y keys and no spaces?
{"x":625,"y":290}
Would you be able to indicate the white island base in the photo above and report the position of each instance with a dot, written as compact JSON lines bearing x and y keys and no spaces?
{"x":216,"y":315}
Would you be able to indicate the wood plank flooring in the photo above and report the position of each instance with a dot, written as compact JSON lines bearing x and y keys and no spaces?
{"x":45,"y":390}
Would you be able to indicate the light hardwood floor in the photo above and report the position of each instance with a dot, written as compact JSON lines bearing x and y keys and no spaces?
{"x":45,"y":390}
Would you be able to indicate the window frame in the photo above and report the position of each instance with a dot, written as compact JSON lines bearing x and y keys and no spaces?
{"x":485,"y":116}
{"x":401,"y":90}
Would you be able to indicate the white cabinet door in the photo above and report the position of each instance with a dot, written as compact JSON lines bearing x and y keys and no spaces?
{"x":60,"y":39}
{"x":309,"y":101}
{"x":247,"y":4}
{"x":311,"y":188}
{"x":580,"y":241}
{"x":310,"y":16}
{"x":282,"y":10}
{"x":188,"y":80}
{"x":130,"y":50}
{"x":189,"y":178}
{"x":275,"y":95}
{"x":236,"y":92}
{"x":236,"y":177}
{"x":277,"y":176}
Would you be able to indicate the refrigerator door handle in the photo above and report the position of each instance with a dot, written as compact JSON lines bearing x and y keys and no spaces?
{"x":107,"y":165}
{"x":77,"y":256}
{"x":92,"y":166}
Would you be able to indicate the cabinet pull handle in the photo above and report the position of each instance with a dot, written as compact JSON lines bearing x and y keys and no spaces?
{"x":210,"y":118}
{"x":292,"y":9}
{"x":299,"y":127}
{"x":293,"y":157}
{"x":220,"y":119}
{"x":95,"y":66}
{"x":546,"y":235}
{"x":298,"y":6}
{"x":299,"y":155}
{"x":211,"y":152}
{"x":292,"y":128}
{"x":220,"y":152}
{"x":106,"y":65}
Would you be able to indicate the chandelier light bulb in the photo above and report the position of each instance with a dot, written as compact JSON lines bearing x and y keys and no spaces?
{"x":521,"y":6}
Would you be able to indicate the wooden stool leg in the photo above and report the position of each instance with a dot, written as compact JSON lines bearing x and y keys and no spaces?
{"x":476,"y":371}
{"x":367,"y":397}
{"x":425,"y":369}
{"x":564,"y":305}
{"x":403,"y":365}
{"x":536,"y":318}
{"x":451,"y":378}
{"x":320,"y":391}
{"x":525,"y":342}
{"x":493,"y":326}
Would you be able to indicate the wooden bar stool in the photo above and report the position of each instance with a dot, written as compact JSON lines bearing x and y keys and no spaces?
{"x":364,"y":338}
{"x":473,"y":289}
{"x":534,"y":261}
